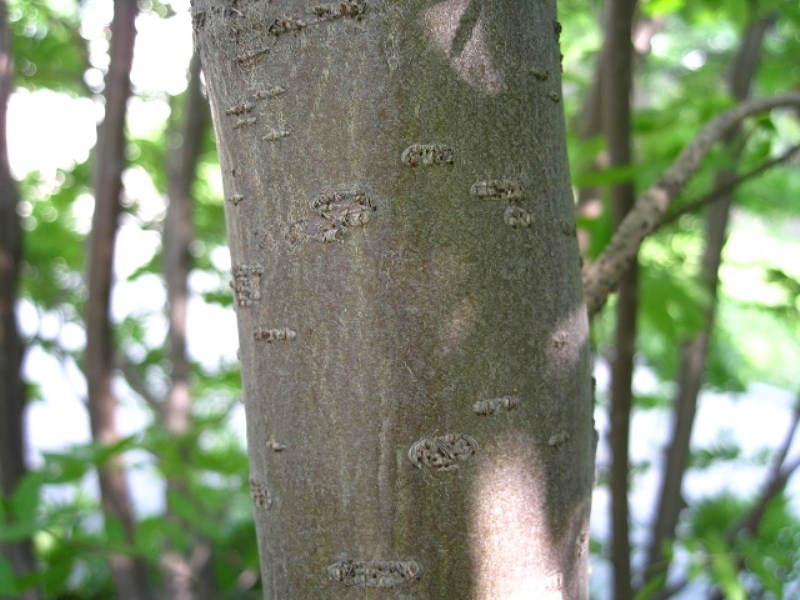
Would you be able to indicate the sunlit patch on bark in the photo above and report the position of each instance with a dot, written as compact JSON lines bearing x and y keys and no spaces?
{"x":507,"y":531}
{"x":568,"y":337}
{"x":445,"y":22}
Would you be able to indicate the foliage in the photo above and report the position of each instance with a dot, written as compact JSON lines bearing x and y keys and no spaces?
{"x":680,"y":84}
{"x":770,"y":559}
{"x":56,"y":505}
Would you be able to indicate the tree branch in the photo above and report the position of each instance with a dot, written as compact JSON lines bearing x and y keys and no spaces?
{"x":779,"y":474}
{"x":776,"y":480}
{"x":138,"y":385}
{"x":602,"y":276}
{"x":726,"y":187}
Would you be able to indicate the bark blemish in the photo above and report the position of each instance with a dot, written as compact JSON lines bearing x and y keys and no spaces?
{"x":336,"y":10}
{"x":568,"y":229}
{"x":275,"y":446}
{"x":274,"y":335}
{"x":259,"y":492}
{"x":503,"y":189}
{"x":286,"y":25}
{"x":235,"y":199}
{"x":442,"y":453}
{"x":493,"y":405}
{"x":554,"y":96}
{"x":244,"y":122}
{"x":334,"y":213}
{"x":198,"y":21}
{"x":328,"y":11}
{"x":243,"y":59}
{"x":374,"y":573}
{"x":554,"y":582}
{"x":558,"y":439}
{"x":342,"y":210}
{"x":276,"y":134}
{"x":240,"y":109}
{"x":270,"y":92}
{"x":540,"y":74}
{"x":246,"y":282}
{"x":560,"y":339}
{"x":516,"y":216}
{"x":427,"y":155}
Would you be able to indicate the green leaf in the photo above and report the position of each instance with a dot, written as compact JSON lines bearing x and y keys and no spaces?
{"x":724,"y":570}
{"x":187,"y":509}
{"x":115,"y":533}
{"x":51,"y":53}
{"x":19,"y":530}
{"x":8,"y":583}
{"x":64,"y":468}
{"x":55,"y":577}
{"x":605,"y":177}
{"x":658,"y":8}
{"x":648,"y":401}
{"x":672,"y":304}
{"x":26,"y":497}
{"x":706,"y":457}
{"x":649,"y":589}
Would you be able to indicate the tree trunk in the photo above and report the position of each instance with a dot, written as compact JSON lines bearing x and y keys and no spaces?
{"x":616,"y":110}
{"x":187,"y":575}
{"x":411,"y":319}
{"x":18,"y":553}
{"x":130,"y":577}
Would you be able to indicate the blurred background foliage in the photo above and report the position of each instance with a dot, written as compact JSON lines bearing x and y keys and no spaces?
{"x":60,"y":49}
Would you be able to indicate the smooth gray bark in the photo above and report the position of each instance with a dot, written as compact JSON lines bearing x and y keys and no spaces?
{"x":411,"y":317}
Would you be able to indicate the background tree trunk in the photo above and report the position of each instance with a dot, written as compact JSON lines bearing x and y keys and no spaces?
{"x":130,"y":577}
{"x":13,"y":398}
{"x":616,"y":84}
{"x":411,"y":319}
{"x":187,"y":575}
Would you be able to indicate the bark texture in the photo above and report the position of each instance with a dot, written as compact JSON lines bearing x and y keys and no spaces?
{"x":411,"y":318}
{"x":19,"y":554}
{"x":129,"y":574}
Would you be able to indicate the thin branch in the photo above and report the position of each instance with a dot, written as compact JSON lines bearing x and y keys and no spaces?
{"x":137,"y":384}
{"x":602,"y":276}
{"x":725,"y":188}
{"x":779,"y":474}
{"x":780,"y":456}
